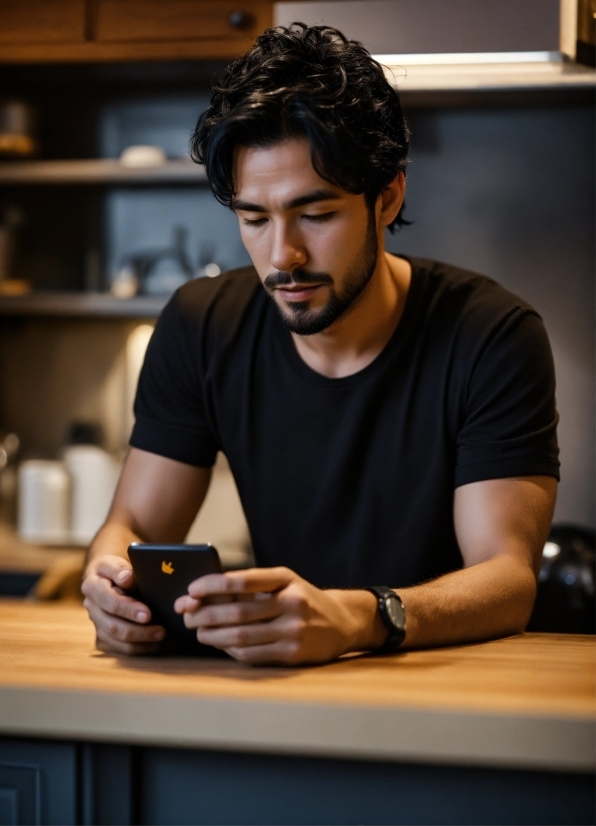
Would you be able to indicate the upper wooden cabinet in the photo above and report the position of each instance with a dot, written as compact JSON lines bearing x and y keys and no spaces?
{"x":41,"y":21}
{"x":41,"y":31}
{"x":118,"y":20}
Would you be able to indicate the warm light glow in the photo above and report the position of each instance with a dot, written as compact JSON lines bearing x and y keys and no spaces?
{"x":136,"y":346}
{"x":551,"y":549}
{"x":460,"y":58}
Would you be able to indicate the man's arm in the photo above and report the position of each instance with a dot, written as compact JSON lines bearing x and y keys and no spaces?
{"x":156,"y":501}
{"x":501,"y":526}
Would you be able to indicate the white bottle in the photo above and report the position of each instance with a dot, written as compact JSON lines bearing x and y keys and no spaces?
{"x":43,"y":502}
{"x":94,"y":475}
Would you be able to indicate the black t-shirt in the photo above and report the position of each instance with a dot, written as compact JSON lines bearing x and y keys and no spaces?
{"x":350,"y":481}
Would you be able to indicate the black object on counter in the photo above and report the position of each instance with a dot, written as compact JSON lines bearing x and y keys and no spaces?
{"x":85,"y":433}
{"x":17,"y":583}
{"x":565,"y":603}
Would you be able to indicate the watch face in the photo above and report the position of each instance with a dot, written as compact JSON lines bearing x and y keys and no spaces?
{"x":395,"y":612}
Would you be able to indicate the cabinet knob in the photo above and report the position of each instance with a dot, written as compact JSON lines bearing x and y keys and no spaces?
{"x":241,"y":20}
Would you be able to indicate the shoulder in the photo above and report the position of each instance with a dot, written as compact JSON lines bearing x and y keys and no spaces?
{"x":466,"y":305}
{"x":213,"y":308}
{"x":474,"y":326}
{"x":465,"y":291}
{"x":226,"y":296}
{"x":464,"y":287}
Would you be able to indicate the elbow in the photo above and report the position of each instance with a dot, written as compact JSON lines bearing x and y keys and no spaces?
{"x":524,"y":599}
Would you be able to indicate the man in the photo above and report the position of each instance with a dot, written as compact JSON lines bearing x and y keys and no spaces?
{"x":389,"y":422}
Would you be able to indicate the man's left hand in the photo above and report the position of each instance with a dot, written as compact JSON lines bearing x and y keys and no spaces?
{"x":275,"y":616}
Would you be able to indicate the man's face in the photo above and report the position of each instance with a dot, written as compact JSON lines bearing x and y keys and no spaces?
{"x":314,"y":246}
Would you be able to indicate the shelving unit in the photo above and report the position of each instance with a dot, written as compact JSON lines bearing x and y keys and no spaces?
{"x":81,"y":305}
{"x":491,"y":72}
{"x":420,"y":79}
{"x":99,"y":171}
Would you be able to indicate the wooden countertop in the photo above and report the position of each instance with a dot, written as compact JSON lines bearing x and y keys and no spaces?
{"x":526,"y":702}
{"x":27,"y":557}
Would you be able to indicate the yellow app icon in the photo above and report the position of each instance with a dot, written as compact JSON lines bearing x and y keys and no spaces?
{"x":167,"y":567}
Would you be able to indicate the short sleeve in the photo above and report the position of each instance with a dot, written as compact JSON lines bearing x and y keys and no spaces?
{"x":510,"y":420}
{"x":169,"y":407}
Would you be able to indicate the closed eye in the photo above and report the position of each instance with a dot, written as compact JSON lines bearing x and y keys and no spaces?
{"x":319,"y":219}
{"x":256,"y":222}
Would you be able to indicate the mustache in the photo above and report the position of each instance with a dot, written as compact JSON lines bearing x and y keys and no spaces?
{"x":299,"y":276}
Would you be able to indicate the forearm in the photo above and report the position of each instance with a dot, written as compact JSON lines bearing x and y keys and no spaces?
{"x":112,"y":539}
{"x":156,"y":501}
{"x":487,"y":600}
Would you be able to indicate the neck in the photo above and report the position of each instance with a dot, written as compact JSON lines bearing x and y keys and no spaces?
{"x":355,"y":340}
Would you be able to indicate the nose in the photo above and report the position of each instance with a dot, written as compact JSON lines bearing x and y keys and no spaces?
{"x":287,"y":250}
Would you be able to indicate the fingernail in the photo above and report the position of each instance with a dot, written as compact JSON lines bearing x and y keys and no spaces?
{"x":122,"y":576}
{"x":142,"y":616}
{"x":158,"y":635}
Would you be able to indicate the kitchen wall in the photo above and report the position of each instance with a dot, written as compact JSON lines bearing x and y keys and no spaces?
{"x":420,"y":26}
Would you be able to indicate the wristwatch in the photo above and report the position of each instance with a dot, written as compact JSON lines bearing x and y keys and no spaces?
{"x":393,"y":614}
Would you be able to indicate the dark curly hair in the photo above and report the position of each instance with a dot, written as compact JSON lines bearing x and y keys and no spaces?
{"x":307,"y":81}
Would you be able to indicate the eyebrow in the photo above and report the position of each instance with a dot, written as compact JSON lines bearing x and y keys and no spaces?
{"x":302,"y":200}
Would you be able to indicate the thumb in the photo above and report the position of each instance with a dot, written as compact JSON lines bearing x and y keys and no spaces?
{"x":117,"y":569}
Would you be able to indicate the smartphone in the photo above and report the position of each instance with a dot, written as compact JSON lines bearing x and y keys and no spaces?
{"x":163,"y":573}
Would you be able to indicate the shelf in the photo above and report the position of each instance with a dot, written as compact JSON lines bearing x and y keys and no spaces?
{"x":81,"y":305}
{"x":411,"y":74}
{"x":100,"y":171}
{"x":498,"y":72}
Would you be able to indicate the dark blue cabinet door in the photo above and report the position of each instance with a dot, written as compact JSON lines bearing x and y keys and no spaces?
{"x":38,"y":783}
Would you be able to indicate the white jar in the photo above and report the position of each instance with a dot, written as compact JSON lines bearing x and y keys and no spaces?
{"x":94,"y":475}
{"x":44,"y":502}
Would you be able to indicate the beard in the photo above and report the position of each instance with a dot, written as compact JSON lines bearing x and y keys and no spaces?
{"x":303,"y":321}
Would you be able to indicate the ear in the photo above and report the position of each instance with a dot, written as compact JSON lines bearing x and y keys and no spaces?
{"x":391,"y":199}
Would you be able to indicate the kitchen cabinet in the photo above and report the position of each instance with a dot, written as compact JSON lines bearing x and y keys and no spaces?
{"x":38,"y":782}
{"x":53,"y":782}
{"x":57,"y":31}
{"x":41,"y":22}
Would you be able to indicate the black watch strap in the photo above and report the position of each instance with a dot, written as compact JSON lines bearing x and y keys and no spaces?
{"x":393,"y":615}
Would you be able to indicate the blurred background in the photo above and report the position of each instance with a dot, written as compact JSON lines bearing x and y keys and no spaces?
{"x":103,"y":216}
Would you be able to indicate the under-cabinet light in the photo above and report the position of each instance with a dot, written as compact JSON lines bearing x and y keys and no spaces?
{"x":459,"y":58}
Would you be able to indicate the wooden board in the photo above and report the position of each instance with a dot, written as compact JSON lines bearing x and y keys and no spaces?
{"x":53,"y":646}
{"x":523,"y":701}
{"x":65,"y":31}
{"x":122,"y":20}
{"x":42,"y":21}
{"x":17,"y":556}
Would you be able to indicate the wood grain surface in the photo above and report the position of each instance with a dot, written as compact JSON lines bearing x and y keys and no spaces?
{"x":53,"y":646}
{"x":526,"y":701}
{"x":64,"y":31}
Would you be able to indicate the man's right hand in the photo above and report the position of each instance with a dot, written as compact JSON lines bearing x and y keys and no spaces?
{"x":121,"y":622}
{"x":156,"y":501}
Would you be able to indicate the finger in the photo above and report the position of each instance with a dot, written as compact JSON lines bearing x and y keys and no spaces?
{"x":117,"y":569}
{"x":119,"y":629}
{"x":282,"y":652}
{"x":247,"y":581}
{"x":233,"y":613}
{"x":186,"y":604}
{"x":239,"y":636}
{"x":112,"y":627}
{"x":101,"y":591}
